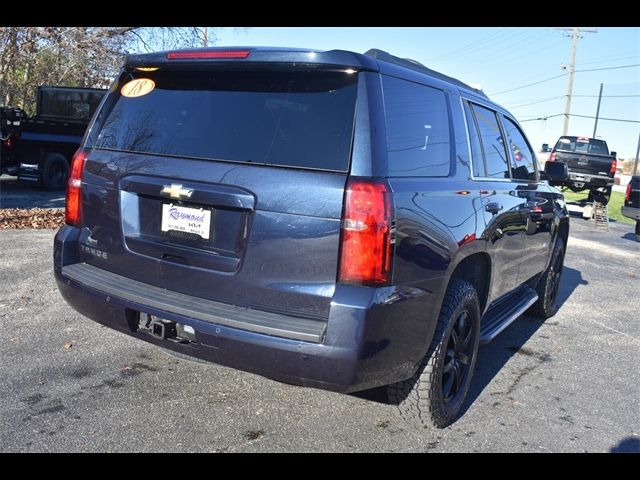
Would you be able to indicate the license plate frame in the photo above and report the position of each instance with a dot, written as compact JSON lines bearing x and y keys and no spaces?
{"x":186,"y":219}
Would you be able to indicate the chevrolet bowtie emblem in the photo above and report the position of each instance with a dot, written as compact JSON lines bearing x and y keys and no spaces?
{"x":175,"y":190}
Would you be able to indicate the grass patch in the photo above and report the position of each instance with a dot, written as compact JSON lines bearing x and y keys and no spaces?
{"x":617,"y":199}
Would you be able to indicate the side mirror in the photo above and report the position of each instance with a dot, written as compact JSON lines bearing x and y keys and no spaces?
{"x":614,"y":154}
{"x":557,"y":172}
{"x":544,"y":176}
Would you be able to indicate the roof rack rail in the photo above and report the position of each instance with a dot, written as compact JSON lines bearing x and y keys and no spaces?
{"x":417,"y":66}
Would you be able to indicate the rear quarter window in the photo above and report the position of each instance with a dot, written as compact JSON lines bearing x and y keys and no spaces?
{"x":418,"y":137}
{"x":493,"y":144}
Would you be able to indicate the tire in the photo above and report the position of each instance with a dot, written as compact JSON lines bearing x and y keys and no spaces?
{"x":549,"y":284}
{"x":601,"y":195}
{"x":430,"y":397}
{"x":54,"y":171}
{"x":638,"y":230}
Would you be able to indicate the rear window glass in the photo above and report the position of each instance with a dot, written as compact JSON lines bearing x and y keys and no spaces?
{"x":289,"y":118}
{"x":582,"y":145}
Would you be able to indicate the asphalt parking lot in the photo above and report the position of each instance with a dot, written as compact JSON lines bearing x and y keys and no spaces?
{"x":569,"y":384}
{"x":14,"y":194}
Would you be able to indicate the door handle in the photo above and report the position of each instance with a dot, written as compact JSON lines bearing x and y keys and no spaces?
{"x":493,"y":207}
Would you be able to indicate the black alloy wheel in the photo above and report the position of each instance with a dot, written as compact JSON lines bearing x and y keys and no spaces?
{"x":457,"y":358}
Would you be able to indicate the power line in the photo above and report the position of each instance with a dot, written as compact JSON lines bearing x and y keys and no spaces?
{"x":470,"y":45}
{"x":500,"y":58}
{"x":546,"y":117}
{"x":534,"y":101}
{"x":564,"y":74}
{"x":609,"y":58}
{"x":610,"y":119}
{"x":609,"y":96}
{"x":530,"y":84}
{"x":537,"y":101}
{"x":500,"y":53}
{"x":608,"y":68}
{"x":483,"y":43}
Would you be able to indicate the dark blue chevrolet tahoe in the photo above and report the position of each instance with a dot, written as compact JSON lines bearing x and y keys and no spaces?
{"x":328,"y":219}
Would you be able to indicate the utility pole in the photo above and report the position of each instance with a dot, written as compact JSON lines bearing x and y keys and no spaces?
{"x":572,"y":67}
{"x":595,"y":127}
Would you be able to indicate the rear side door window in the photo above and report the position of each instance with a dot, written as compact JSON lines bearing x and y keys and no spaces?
{"x":523,"y":160}
{"x":418,"y":138}
{"x":492,"y":143}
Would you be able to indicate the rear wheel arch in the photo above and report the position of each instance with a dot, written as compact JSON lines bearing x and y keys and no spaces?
{"x":475,"y":269}
{"x":563,"y":231}
{"x":548,"y":284}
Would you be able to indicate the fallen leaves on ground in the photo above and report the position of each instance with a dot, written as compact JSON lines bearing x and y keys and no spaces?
{"x":31,"y":218}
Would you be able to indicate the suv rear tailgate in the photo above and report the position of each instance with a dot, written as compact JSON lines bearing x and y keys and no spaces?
{"x":256,"y":161}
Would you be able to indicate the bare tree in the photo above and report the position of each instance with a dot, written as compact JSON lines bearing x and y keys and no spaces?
{"x":76,"y":56}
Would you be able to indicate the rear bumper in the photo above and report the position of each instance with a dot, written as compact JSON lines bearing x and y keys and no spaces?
{"x":630,"y":212}
{"x":589,"y":180}
{"x":372,"y":337}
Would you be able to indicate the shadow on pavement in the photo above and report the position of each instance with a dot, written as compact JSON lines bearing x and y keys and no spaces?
{"x":627,"y":445}
{"x":14,"y":194}
{"x":577,"y":214}
{"x":493,"y":356}
{"x":630,"y":236}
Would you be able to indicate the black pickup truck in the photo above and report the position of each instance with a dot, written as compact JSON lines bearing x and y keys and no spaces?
{"x":39,"y":148}
{"x":631,"y":206}
{"x":591,"y":166}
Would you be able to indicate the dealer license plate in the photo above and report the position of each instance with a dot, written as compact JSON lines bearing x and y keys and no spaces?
{"x":185,"y":219}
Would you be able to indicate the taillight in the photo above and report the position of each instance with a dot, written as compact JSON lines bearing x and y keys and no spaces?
{"x":366,"y":234}
{"x":614,"y":166}
{"x":200,"y":54}
{"x":552,"y":157}
{"x":627,"y":195}
{"x":72,"y":212}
